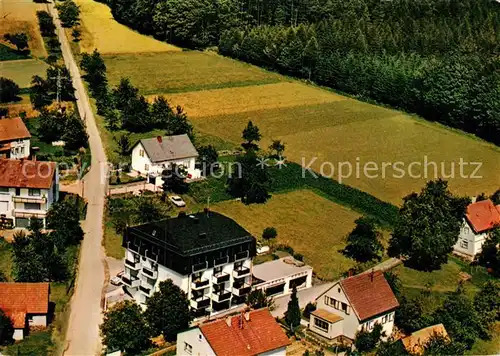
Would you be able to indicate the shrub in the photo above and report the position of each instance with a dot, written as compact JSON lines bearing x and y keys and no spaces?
{"x":269,"y":233}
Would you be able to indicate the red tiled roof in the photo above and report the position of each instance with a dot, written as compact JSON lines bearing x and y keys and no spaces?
{"x":483,"y":215}
{"x":13,"y":129}
{"x":261,"y":333}
{"x":369,"y":294}
{"x":26,"y":174}
{"x":19,"y":299}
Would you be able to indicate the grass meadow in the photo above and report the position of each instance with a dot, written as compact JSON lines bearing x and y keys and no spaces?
{"x":171,"y":72}
{"x":101,"y":31}
{"x":312,"y":225}
{"x":20,"y":16}
{"x":21,"y":71}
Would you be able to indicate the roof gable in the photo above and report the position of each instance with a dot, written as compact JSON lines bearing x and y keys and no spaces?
{"x":483,"y":215}
{"x":369,"y":294}
{"x":13,"y":129}
{"x":260,"y":333}
{"x":167,"y":148}
{"x":26,"y":174}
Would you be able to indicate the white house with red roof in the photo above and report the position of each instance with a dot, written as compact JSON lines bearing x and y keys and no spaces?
{"x":14,"y":139}
{"x":247,"y":334}
{"x":26,"y":304}
{"x":353,"y":304}
{"x":481,"y":217}
{"x":27,"y":190}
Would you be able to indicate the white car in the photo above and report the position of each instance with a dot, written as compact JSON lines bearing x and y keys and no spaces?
{"x":177,"y":200}
{"x":117,"y":280}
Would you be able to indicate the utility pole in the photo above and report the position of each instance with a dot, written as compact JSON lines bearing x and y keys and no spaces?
{"x":59,"y":86}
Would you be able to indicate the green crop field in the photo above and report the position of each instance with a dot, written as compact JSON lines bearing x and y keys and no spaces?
{"x":310,"y":224}
{"x":21,"y":71}
{"x":168,"y":72}
{"x":318,"y":125}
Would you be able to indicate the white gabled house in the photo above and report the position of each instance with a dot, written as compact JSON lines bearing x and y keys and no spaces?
{"x":481,"y":217}
{"x":150,"y":157}
{"x":27,"y":190}
{"x":14,"y":139}
{"x":354,"y":304}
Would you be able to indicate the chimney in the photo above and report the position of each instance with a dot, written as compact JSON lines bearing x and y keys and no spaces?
{"x":228,"y":321}
{"x":372,"y":274}
{"x":350,"y":272}
{"x":160,"y":139}
{"x":247,"y":315}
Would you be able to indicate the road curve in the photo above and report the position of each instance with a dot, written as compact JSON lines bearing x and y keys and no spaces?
{"x":82,"y":337}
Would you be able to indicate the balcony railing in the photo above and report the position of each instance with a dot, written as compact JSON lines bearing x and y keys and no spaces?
{"x":200,"y":284}
{"x":220,"y":278}
{"x":241,"y":255}
{"x":146,"y":290}
{"x":200,"y":266}
{"x":241,"y":290}
{"x":221,"y":260}
{"x":202,"y":302}
{"x":28,"y":213}
{"x":132,"y":265}
{"x":241,"y":272}
{"x":149,"y":273}
{"x":221,"y":296}
{"x":132,"y":282}
{"x":29,"y":199}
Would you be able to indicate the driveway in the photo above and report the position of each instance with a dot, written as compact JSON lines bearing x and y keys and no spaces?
{"x":82,"y":336}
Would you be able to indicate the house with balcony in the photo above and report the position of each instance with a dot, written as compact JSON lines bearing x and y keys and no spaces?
{"x":27,"y":190}
{"x":14,"y":139}
{"x":480,"y":219}
{"x":354,"y":304}
{"x":151,"y":156}
{"x":248,"y":334}
{"x":208,"y":255}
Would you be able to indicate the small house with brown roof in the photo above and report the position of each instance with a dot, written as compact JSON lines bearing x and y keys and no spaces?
{"x":481,"y":217}
{"x":27,"y":190}
{"x":26,"y":304}
{"x":416,"y":342}
{"x":353,"y":304}
{"x":247,"y":334}
{"x":14,"y":139}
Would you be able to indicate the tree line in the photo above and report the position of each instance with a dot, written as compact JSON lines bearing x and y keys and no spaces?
{"x":438,"y":59}
{"x":123,"y":108}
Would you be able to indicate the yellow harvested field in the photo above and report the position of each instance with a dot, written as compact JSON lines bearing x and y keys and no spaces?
{"x":20,"y":16}
{"x":252,"y":98}
{"x":100,"y":30}
{"x":21,"y":71}
{"x":358,"y":133}
{"x":170,"y":72}
{"x":23,"y":105}
{"x":313,"y":226}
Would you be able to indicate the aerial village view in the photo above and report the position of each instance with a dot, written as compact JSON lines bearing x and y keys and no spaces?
{"x":249,"y":177}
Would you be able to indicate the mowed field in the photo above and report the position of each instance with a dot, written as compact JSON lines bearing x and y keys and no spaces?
{"x":21,"y":71}
{"x":20,"y":16}
{"x":316,"y":125}
{"x":172,"y":72}
{"x":101,"y":31}
{"x":310,"y":224}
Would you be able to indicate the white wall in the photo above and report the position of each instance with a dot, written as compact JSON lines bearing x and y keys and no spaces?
{"x":20,"y":149}
{"x":469,"y":238}
{"x":9,"y":207}
{"x":195,"y":338}
{"x":386,"y":320}
{"x":139,"y":162}
{"x":39,"y":320}
{"x":18,"y":334}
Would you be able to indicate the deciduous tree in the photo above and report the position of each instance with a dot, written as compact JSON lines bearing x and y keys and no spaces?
{"x":9,"y":90}
{"x":19,"y":39}
{"x":363,"y":243}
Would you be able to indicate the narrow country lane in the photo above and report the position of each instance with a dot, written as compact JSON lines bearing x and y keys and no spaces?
{"x":82,"y":336}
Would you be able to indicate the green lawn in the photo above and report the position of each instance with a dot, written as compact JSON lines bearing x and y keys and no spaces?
{"x":21,"y":71}
{"x":5,"y":258}
{"x":171,"y":72}
{"x":10,"y":54}
{"x":312,"y":225}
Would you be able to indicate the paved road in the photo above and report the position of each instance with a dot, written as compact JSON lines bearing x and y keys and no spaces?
{"x":83,"y":330}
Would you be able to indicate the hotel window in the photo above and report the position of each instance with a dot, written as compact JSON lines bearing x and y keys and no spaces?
{"x":391,"y":317}
{"x":217,"y":270}
{"x":21,"y":150}
{"x":32,"y":206}
{"x":320,"y":324}
{"x":146,"y":167}
{"x":384,"y":319}
{"x":34,"y":192}
{"x":188,"y":348}
{"x":141,"y":153}
{"x":466,"y":230}
{"x":464,"y":244}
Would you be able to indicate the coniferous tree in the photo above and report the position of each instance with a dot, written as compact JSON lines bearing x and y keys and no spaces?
{"x":292,"y":314}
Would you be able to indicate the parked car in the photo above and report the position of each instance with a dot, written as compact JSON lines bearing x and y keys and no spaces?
{"x":177,"y":200}
{"x":117,"y":280}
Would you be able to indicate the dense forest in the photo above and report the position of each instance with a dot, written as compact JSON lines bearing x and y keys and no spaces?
{"x":437,"y":58}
